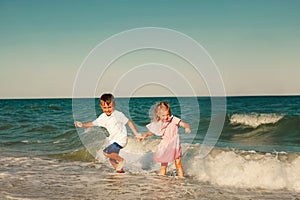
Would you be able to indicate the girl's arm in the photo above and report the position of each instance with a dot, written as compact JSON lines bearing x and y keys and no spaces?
{"x":149,"y":133}
{"x":83,"y":125}
{"x":186,"y":126}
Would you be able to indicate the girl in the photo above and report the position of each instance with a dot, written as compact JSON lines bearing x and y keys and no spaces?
{"x":166,"y":125}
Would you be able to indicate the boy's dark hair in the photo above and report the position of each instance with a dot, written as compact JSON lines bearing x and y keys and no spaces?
{"x":107,"y":98}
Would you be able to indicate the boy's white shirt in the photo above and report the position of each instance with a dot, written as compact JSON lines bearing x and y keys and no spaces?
{"x":115,"y":124}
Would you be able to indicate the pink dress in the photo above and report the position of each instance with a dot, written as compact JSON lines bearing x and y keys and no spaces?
{"x":169,"y":148}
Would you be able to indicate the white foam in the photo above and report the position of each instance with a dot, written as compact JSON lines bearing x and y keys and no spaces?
{"x":241,"y":169}
{"x":254,"y":120}
{"x":138,"y":155}
{"x":229,"y":168}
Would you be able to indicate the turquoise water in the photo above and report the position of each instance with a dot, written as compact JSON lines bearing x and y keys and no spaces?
{"x":45,"y":126}
{"x":258,"y":149}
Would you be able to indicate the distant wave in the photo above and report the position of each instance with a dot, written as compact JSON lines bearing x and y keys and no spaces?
{"x":254,"y":119}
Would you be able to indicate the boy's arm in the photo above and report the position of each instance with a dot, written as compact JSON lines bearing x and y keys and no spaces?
{"x":133,"y":128}
{"x":83,"y":125}
{"x":186,"y":126}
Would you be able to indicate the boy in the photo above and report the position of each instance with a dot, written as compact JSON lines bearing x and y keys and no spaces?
{"x":114,"y":121}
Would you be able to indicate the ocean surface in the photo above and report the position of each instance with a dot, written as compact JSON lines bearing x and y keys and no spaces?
{"x":255,"y":156}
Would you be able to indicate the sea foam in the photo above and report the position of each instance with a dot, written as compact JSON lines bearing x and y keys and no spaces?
{"x":223,"y":167}
{"x":254,"y":120}
{"x":247,"y":170}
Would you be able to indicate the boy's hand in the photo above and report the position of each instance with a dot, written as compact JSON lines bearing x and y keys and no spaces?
{"x":142,"y":137}
{"x":139,"y":137}
{"x":78,"y":124}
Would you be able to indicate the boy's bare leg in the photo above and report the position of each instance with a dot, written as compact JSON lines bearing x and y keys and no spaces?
{"x":113,"y":163}
{"x":163,"y":169}
{"x":179,"y":168}
{"x":114,"y":157}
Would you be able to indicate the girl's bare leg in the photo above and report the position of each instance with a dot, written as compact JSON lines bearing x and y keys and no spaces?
{"x":179,"y":168}
{"x":163,"y":169}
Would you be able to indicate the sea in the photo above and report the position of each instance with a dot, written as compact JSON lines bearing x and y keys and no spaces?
{"x":254,"y":153}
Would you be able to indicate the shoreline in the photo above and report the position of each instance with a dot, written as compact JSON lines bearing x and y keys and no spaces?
{"x":46,"y":178}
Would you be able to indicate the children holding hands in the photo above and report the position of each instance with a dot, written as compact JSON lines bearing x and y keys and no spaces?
{"x":163,"y":124}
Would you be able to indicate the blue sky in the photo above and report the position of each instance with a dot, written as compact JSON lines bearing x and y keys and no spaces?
{"x":43,"y":43}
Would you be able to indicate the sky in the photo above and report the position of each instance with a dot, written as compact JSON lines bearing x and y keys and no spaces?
{"x":44,"y":44}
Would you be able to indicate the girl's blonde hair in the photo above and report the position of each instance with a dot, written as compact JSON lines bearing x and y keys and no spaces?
{"x":163,"y":105}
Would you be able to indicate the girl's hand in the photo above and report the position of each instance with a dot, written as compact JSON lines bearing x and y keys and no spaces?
{"x":188,"y":130}
{"x":78,"y":124}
